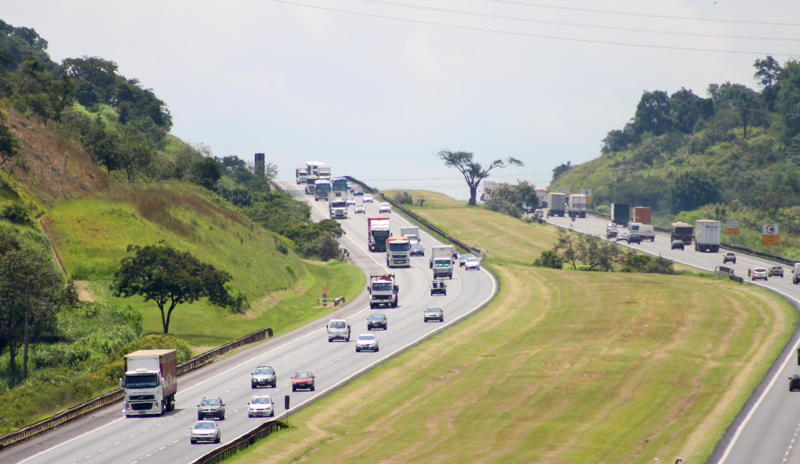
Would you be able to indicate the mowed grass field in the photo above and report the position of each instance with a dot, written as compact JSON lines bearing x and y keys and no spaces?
{"x":562,"y":367}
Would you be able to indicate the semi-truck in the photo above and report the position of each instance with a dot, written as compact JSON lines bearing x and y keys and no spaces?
{"x":377,"y":233}
{"x":398,"y":251}
{"x":541,"y":195}
{"x":412,"y":233}
{"x":383,"y":291}
{"x":150,"y":382}
{"x":338,"y":205}
{"x":707,"y":235}
{"x":311,"y":181}
{"x":300,"y":175}
{"x":556,"y":203}
{"x":621,"y":214}
{"x":322,"y":187}
{"x":642,"y":215}
{"x":324,"y":172}
{"x":577,"y":205}
{"x":442,"y":261}
{"x":681,"y":231}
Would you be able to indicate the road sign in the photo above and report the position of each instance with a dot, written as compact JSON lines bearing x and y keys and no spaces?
{"x":732,"y":230}
{"x":771,"y":240}
{"x":769,"y":229}
{"x":587,"y":192}
{"x":731,"y":224}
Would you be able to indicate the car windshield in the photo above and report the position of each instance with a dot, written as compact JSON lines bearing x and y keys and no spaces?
{"x":141,"y":381}
{"x":261,"y":400}
{"x":441,"y":263}
{"x":368,"y":197}
{"x":471,"y":260}
{"x":433,"y":310}
{"x":263,"y":370}
{"x":399,"y":246}
{"x":338,"y":204}
{"x":338,"y":324}
{"x":376,"y":317}
{"x":761,"y":270}
{"x":366,"y":337}
{"x":303,"y":374}
{"x":382,"y":287}
{"x":209,"y":402}
{"x":204,"y":425}
{"x":776,"y":268}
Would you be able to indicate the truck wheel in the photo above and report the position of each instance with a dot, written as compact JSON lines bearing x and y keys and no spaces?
{"x":193,"y":441}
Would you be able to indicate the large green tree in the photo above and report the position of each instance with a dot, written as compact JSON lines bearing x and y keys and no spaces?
{"x":169,"y":277}
{"x":473,"y":171}
{"x":693,"y":189}
{"x":653,"y":113}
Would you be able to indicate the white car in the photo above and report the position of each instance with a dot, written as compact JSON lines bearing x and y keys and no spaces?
{"x":207,"y":431}
{"x":385,"y":208}
{"x":472,"y":263}
{"x":261,"y":405}
{"x":759,"y":273}
{"x":367,"y":198}
{"x":367,"y":342}
{"x":360,"y":209}
{"x":351,"y":200}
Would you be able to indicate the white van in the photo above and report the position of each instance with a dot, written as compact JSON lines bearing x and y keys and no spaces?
{"x":645,"y":231}
{"x":796,"y":273}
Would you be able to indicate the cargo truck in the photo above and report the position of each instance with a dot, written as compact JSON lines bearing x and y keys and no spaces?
{"x":300,"y":175}
{"x":338,"y":205}
{"x":577,"y":205}
{"x":398,"y":251}
{"x":377,"y":233}
{"x":412,"y":233}
{"x":322,"y":187}
{"x":621,"y":214}
{"x":442,"y":261}
{"x":556,"y":203}
{"x":642,"y":215}
{"x":681,"y":231}
{"x":324,"y":172}
{"x":311,"y":180}
{"x":707,"y":235}
{"x":541,"y":195}
{"x":150,"y":382}
{"x":383,"y":291}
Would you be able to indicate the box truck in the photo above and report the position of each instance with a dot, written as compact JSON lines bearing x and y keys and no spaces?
{"x":577,"y":205}
{"x":150,"y":382}
{"x":642,"y":215}
{"x":620,"y":214}
{"x":707,"y":235}
{"x":556,"y":203}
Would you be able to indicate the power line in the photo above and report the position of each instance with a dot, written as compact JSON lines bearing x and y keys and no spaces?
{"x":524,"y":34}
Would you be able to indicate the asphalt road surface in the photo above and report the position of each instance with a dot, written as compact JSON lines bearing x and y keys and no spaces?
{"x":107,"y":436}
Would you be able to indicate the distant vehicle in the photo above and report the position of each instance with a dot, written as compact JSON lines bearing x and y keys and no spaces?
{"x":322,"y":189}
{"x":360,"y":209}
{"x":441,"y":261}
{"x":776,"y":271}
{"x":621,"y":214}
{"x":645,"y":231}
{"x":385,"y":208}
{"x":303,"y":380}
{"x":796,"y":274}
{"x":264,"y":376}
{"x":707,"y":235}
{"x":339,"y":184}
{"x":682,"y":231}
{"x":312,"y":167}
{"x":377,"y":321}
{"x":383,"y":290}
{"x":433,"y":314}
{"x":205,"y":431}
{"x":634,"y":238}
{"x":611,"y":230}
{"x":261,"y":405}
{"x":412,"y":233}
{"x":577,"y":205}
{"x":759,"y":273}
{"x":622,"y":236}
{"x":211,"y":407}
{"x":677,"y":243}
{"x":300,"y":175}
{"x":417,"y":250}
{"x":398,"y":251}
{"x":438,"y":288}
{"x":367,"y":342}
{"x":724,"y":271}
{"x":338,"y":329}
{"x":472,"y":263}
{"x":642,"y":215}
{"x":351,"y":200}
{"x":150,"y":382}
{"x":794,"y":383}
{"x":377,"y":233}
{"x":367,"y":198}
{"x":557,"y":204}
{"x":337,"y":205}
{"x":358,"y":191}
{"x":463,"y":258}
{"x":730,"y":257}
{"x":538,"y":214}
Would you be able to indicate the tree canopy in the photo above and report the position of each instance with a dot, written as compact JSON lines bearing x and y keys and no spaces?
{"x":473,"y":171}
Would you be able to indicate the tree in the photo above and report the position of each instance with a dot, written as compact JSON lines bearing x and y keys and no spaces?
{"x":561,"y":170}
{"x":653,"y":113}
{"x":169,"y":277}
{"x":686,"y":109}
{"x":694,"y":189}
{"x":9,"y":145}
{"x":207,"y":172}
{"x":472,"y":171}
{"x":133,"y":153}
{"x":513,"y":200}
{"x":768,"y":72}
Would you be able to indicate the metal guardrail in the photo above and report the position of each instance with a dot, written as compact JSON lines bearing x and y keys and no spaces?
{"x":245,"y":441}
{"x":116,"y":395}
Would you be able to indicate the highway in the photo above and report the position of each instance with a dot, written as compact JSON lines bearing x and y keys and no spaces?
{"x":765,"y":432}
{"x":106,"y":436}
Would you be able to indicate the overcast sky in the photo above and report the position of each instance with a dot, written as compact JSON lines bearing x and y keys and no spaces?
{"x":377,"y":88}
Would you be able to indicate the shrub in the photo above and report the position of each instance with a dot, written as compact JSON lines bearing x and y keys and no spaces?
{"x":17,"y":214}
{"x":404,"y":199}
{"x":549,"y":259}
{"x":238,"y":298}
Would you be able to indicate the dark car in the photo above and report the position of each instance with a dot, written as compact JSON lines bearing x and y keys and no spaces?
{"x":634,"y":238}
{"x":433,"y":314}
{"x":794,"y":383}
{"x":729,"y":257}
{"x":417,"y":250}
{"x":677,"y":243}
{"x":264,"y":376}
{"x":438,"y":288}
{"x":303,"y":380}
{"x":358,"y":191}
{"x":211,"y":407}
{"x":377,"y":321}
{"x":776,"y":271}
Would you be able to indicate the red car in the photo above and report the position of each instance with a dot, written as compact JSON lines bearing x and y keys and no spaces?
{"x":303,"y":380}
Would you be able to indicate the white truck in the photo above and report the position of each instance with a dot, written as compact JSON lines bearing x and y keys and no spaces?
{"x":577,"y":205}
{"x":300,"y":175}
{"x":556,"y":204}
{"x":398,"y":251}
{"x":707,"y":235}
{"x":150,"y":382}
{"x":442,"y":261}
{"x":377,"y":233}
{"x":645,"y":231}
{"x":412,"y":233}
{"x":383,"y":291}
{"x":324,"y":172}
{"x":338,"y":205}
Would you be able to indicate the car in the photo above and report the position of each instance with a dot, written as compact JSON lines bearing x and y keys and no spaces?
{"x":360,"y":209}
{"x":264,"y":376}
{"x":417,"y":250}
{"x":367,"y":198}
{"x":367,"y":342}
{"x":385,"y":208}
{"x":438,"y":288}
{"x":303,"y":379}
{"x":261,"y":405}
{"x":211,"y":407}
{"x":775,"y":271}
{"x":472,"y":263}
{"x":358,"y":191}
{"x":730,"y":257}
{"x":622,"y":236}
{"x":759,"y":273}
{"x":794,"y":383}
{"x":205,"y":431}
{"x":454,"y":253}
{"x":463,"y":258}
{"x":634,"y":238}
{"x":377,"y":321}
{"x":351,"y":201}
{"x":433,"y":314}
{"x":677,"y":243}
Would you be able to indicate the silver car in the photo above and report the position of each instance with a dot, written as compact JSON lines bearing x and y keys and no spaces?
{"x":367,"y":342}
{"x":264,"y":376}
{"x":360,"y":208}
{"x":472,"y":263}
{"x":385,"y":208}
{"x":205,"y":431}
{"x":367,"y":198}
{"x":261,"y":406}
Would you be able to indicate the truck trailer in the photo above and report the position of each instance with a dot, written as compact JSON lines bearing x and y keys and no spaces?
{"x":681,"y":231}
{"x":338,"y":205}
{"x":377,"y":233}
{"x":557,"y":204}
{"x":577,"y":205}
{"x":442,"y":261}
{"x":642,"y":215}
{"x":707,"y":235}
{"x":412,"y":233}
{"x":150,"y":382}
{"x":398,"y":251}
{"x":300,"y":175}
{"x":621,"y":214}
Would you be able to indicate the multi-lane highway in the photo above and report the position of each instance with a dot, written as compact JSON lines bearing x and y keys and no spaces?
{"x":106,"y":436}
{"x":766,"y":431}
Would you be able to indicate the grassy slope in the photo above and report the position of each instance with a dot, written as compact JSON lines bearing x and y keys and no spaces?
{"x":562,"y":367}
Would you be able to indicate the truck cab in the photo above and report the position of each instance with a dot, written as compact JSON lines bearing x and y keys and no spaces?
{"x":150,"y":382}
{"x":383,"y":291}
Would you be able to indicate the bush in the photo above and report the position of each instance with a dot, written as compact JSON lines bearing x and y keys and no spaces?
{"x":17,"y":214}
{"x":238,"y":298}
{"x":549,"y":259}
{"x":404,"y":199}
{"x":324,"y":248}
{"x":648,"y":264}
